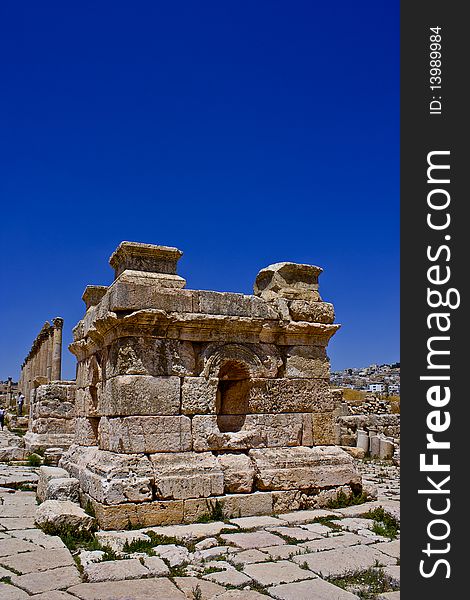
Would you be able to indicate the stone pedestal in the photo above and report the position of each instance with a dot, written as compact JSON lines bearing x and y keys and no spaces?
{"x":363,"y":440}
{"x":387,"y":448}
{"x":186,"y":398}
{"x":374,"y":443}
{"x":52,"y":416}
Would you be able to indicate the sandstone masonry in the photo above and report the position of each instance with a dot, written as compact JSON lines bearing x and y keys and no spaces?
{"x":190,"y":401}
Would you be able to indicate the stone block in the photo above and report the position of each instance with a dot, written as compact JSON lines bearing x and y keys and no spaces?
{"x":145,"y":434}
{"x":302,"y":468}
{"x":288,"y":280}
{"x":47,"y":581}
{"x":46,"y":474}
{"x":116,"y":540}
{"x":53,"y":407}
{"x":140,"y":395}
{"x":89,"y":371}
{"x":308,"y":362}
{"x":108,"y":477}
{"x":289,"y":500}
{"x":254,"y":539}
{"x":66,"y":488}
{"x":141,"y":292}
{"x":340,"y":561}
{"x":93,"y":294}
{"x":86,"y":402}
{"x":238,"y":472}
{"x":149,"y":356}
{"x":115,"y":570}
{"x":187,"y":475}
{"x":208,"y":589}
{"x":233,"y":506}
{"x":243,"y":594}
{"x":311,"y":311}
{"x":38,"y":560}
{"x":199,"y":395}
{"x":63,"y":391}
{"x":238,"y":305}
{"x":10,"y":592}
{"x":156,"y":566}
{"x":273,"y":573}
{"x":230,"y":577}
{"x":253,"y":431}
{"x":147,"y":514}
{"x":86,"y":431}
{"x":386,"y":448}
{"x":8,"y":453}
{"x":312,"y":589}
{"x":35,"y":442}
{"x":324,"y":432}
{"x":56,"y":515}
{"x":143,"y":589}
{"x":289,"y":395}
{"x":149,"y":258}
{"x":52,"y":425}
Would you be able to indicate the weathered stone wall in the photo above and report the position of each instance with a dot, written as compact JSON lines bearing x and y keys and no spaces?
{"x":386,"y":424}
{"x":52,"y":416}
{"x":185,"y":397}
{"x":43,"y":363}
{"x":370,"y":405}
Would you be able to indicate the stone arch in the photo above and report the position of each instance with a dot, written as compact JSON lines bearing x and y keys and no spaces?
{"x":218,"y":355}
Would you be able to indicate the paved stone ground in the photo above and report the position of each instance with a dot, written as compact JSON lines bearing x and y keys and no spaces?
{"x":295,"y":556}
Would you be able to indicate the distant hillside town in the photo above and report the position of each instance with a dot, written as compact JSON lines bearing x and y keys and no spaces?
{"x":378,"y":379}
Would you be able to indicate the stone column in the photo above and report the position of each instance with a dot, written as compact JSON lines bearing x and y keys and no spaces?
{"x":9,"y":393}
{"x":41,"y":357}
{"x":27,"y":384}
{"x":32,"y":373}
{"x":57,"y":349}
{"x":49,"y":345}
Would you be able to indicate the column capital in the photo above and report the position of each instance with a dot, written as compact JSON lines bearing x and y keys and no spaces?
{"x":58,"y":322}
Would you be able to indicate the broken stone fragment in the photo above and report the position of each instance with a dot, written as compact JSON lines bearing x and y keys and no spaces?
{"x":312,"y":311}
{"x":288,"y":280}
{"x":93,"y":294}
{"x":63,"y":515}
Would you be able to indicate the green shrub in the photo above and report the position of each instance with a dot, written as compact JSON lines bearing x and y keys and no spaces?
{"x":139,"y":546}
{"x":384,"y":524}
{"x":34,"y":460}
{"x":342,"y":500}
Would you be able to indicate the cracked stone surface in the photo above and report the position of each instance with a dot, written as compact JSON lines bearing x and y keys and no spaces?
{"x":292,"y":556}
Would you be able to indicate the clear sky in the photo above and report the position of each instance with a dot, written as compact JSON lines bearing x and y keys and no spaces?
{"x":244,"y":133}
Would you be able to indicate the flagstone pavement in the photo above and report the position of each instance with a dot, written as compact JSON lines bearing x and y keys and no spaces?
{"x":295,"y":556}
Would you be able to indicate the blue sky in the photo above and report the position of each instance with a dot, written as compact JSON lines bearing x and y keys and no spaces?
{"x":243,"y":133}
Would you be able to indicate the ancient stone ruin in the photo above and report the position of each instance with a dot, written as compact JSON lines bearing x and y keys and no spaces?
{"x":48,"y":399}
{"x":44,"y":361}
{"x":194,"y":403}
